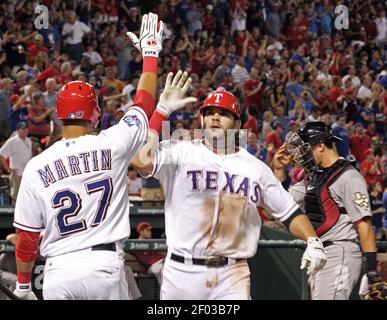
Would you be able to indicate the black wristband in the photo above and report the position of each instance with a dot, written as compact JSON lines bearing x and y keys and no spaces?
{"x":290,"y":219}
{"x":370,"y":261}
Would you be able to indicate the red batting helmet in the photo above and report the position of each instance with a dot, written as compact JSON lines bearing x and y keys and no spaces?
{"x":77,"y":100}
{"x":220,"y":99}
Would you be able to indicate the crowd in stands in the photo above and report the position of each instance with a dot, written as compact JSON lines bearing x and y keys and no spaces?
{"x":286,"y":62}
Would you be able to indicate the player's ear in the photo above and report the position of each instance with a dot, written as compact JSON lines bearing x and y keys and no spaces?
{"x":237,"y":124}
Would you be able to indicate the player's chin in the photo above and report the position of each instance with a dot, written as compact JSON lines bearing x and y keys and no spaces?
{"x":215,"y":132}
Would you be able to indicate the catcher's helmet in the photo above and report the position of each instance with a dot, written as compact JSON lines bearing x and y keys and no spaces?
{"x":220,"y":99}
{"x":77,"y":101}
{"x":299,"y":144}
{"x":317,"y":132}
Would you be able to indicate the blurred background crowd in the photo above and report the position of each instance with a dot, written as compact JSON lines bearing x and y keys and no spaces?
{"x":285,"y":61}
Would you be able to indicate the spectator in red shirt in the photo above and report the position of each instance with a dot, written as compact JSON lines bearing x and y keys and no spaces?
{"x":372,"y":168}
{"x":34,"y":49}
{"x":39,"y":117}
{"x":359,"y":142}
{"x":251,"y":123}
{"x":253,"y":90}
{"x":273,"y":139}
{"x":53,"y":71}
{"x":151,"y":262}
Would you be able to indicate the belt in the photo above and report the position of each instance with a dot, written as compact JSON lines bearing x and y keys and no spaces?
{"x":330,"y":243}
{"x":210,"y":262}
{"x":105,"y":247}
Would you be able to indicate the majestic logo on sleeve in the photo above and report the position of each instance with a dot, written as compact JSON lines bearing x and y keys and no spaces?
{"x":361,"y":200}
{"x":132,"y":120}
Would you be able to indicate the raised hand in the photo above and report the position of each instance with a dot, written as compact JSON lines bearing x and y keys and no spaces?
{"x":150,"y":41}
{"x":173,"y":96}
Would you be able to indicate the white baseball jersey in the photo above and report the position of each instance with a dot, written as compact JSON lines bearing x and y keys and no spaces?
{"x":211,"y":200}
{"x":77,"y":189}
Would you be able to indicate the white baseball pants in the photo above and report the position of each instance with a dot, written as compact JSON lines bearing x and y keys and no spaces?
{"x":85,"y":275}
{"x":181,"y":281}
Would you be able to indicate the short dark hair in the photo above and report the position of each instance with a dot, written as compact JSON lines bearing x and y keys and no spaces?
{"x":75,"y":122}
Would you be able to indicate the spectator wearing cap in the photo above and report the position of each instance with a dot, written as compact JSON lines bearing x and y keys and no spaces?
{"x":150,"y":261}
{"x":209,"y":21}
{"x":339,"y":130}
{"x":73,"y":32}
{"x":372,"y":167}
{"x":359,"y":142}
{"x":293,"y":127}
{"x":35,"y":48}
{"x":18,"y":149}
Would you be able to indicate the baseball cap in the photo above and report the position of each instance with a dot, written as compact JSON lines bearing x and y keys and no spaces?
{"x":358,"y":124}
{"x":22,"y":125}
{"x":277,"y":124}
{"x":292,"y":122}
{"x":142,"y":226}
{"x":383,"y":81}
{"x":270,"y":47}
{"x":368,"y":151}
{"x":14,"y":98}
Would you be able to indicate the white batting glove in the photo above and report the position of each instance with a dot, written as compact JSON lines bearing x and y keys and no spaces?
{"x":24,"y":291}
{"x":314,"y":257}
{"x":172,"y":98}
{"x":150,"y":41}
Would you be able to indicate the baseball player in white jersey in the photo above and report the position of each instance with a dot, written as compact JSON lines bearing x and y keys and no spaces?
{"x":211,"y":194}
{"x":77,"y":192}
{"x":334,"y":196}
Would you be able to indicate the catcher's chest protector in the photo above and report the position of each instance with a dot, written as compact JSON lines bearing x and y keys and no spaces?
{"x":322,"y":210}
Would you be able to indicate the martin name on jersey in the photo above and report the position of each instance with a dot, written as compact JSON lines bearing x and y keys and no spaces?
{"x":85,"y":162}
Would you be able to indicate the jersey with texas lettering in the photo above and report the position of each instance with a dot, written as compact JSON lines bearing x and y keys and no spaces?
{"x":211,"y":200}
{"x":77,"y":191}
